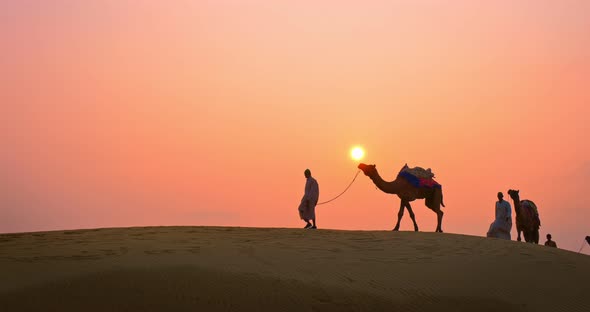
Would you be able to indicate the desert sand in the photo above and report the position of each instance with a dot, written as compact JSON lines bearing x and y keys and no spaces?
{"x":268,"y":269}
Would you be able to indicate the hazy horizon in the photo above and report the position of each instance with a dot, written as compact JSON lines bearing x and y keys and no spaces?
{"x":125,"y":113}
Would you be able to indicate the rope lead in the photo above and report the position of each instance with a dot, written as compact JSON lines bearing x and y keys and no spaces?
{"x":346,"y":189}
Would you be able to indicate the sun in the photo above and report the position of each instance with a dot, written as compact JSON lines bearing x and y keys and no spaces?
{"x":357,"y":153}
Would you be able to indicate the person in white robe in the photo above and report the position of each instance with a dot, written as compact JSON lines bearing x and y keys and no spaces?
{"x":309,"y":201}
{"x":502,"y":226}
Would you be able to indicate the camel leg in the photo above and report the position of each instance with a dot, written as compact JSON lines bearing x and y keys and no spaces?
{"x":400,"y":214}
{"x":532,"y":236}
{"x":439,"y":216}
{"x":528,"y":236}
{"x":412,"y":216}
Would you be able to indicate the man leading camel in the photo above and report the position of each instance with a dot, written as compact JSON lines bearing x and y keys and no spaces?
{"x":309,"y":201}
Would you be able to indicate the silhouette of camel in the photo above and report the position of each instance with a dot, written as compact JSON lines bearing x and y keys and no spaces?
{"x":407,"y":192}
{"x":527,"y":218}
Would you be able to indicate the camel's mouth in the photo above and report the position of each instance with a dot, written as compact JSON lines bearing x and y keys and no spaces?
{"x":366,"y":168}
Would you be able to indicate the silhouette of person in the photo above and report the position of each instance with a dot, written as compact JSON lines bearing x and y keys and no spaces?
{"x":502,"y":225}
{"x":549,"y":242}
{"x":309,"y":201}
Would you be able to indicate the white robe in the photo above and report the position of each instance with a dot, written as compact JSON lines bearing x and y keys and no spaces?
{"x":312,"y":194}
{"x":502,"y":226}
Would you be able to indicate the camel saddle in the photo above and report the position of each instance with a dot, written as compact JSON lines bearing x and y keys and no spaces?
{"x":419,"y":177}
{"x":531,"y":210}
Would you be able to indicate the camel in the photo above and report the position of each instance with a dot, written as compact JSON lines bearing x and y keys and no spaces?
{"x":407,"y":192}
{"x":527,"y":218}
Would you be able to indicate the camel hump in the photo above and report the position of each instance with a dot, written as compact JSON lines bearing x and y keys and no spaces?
{"x":419,"y":172}
{"x":528,"y":204}
{"x":532,"y":212}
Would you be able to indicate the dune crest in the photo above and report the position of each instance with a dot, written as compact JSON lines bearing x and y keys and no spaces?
{"x":235,"y":269}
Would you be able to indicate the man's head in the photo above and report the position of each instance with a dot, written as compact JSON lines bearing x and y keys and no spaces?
{"x":500,"y":196}
{"x":548,"y":236}
{"x":307,"y":173}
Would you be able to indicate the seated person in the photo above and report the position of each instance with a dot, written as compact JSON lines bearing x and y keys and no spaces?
{"x":549,"y":242}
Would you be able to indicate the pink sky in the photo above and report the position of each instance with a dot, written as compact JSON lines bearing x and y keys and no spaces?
{"x":125,"y":113}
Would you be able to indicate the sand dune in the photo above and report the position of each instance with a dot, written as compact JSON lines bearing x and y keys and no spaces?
{"x":250,"y":269}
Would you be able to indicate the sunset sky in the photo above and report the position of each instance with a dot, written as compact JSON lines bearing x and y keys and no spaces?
{"x":133,"y":113}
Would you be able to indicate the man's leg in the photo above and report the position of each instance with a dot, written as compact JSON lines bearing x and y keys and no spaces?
{"x":308,"y":225}
{"x":313,"y":221}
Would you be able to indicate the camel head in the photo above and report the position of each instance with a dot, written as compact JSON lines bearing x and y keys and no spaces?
{"x":368,"y":170}
{"x":514,"y":195}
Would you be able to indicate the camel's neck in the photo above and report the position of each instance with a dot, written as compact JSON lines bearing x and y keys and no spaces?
{"x":387,"y":187}
{"x":516,"y":205}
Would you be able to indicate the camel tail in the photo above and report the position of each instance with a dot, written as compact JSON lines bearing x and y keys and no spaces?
{"x":441,"y":198}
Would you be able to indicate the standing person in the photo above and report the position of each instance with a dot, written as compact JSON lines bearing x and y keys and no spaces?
{"x":502,"y":226}
{"x":549,"y":242}
{"x":309,"y":200}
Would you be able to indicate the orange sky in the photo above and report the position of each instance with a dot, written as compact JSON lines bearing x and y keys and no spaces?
{"x":123,"y":113}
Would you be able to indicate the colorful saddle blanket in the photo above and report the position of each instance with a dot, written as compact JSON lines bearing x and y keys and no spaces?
{"x":531,"y":210}
{"x":417,"y":181}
